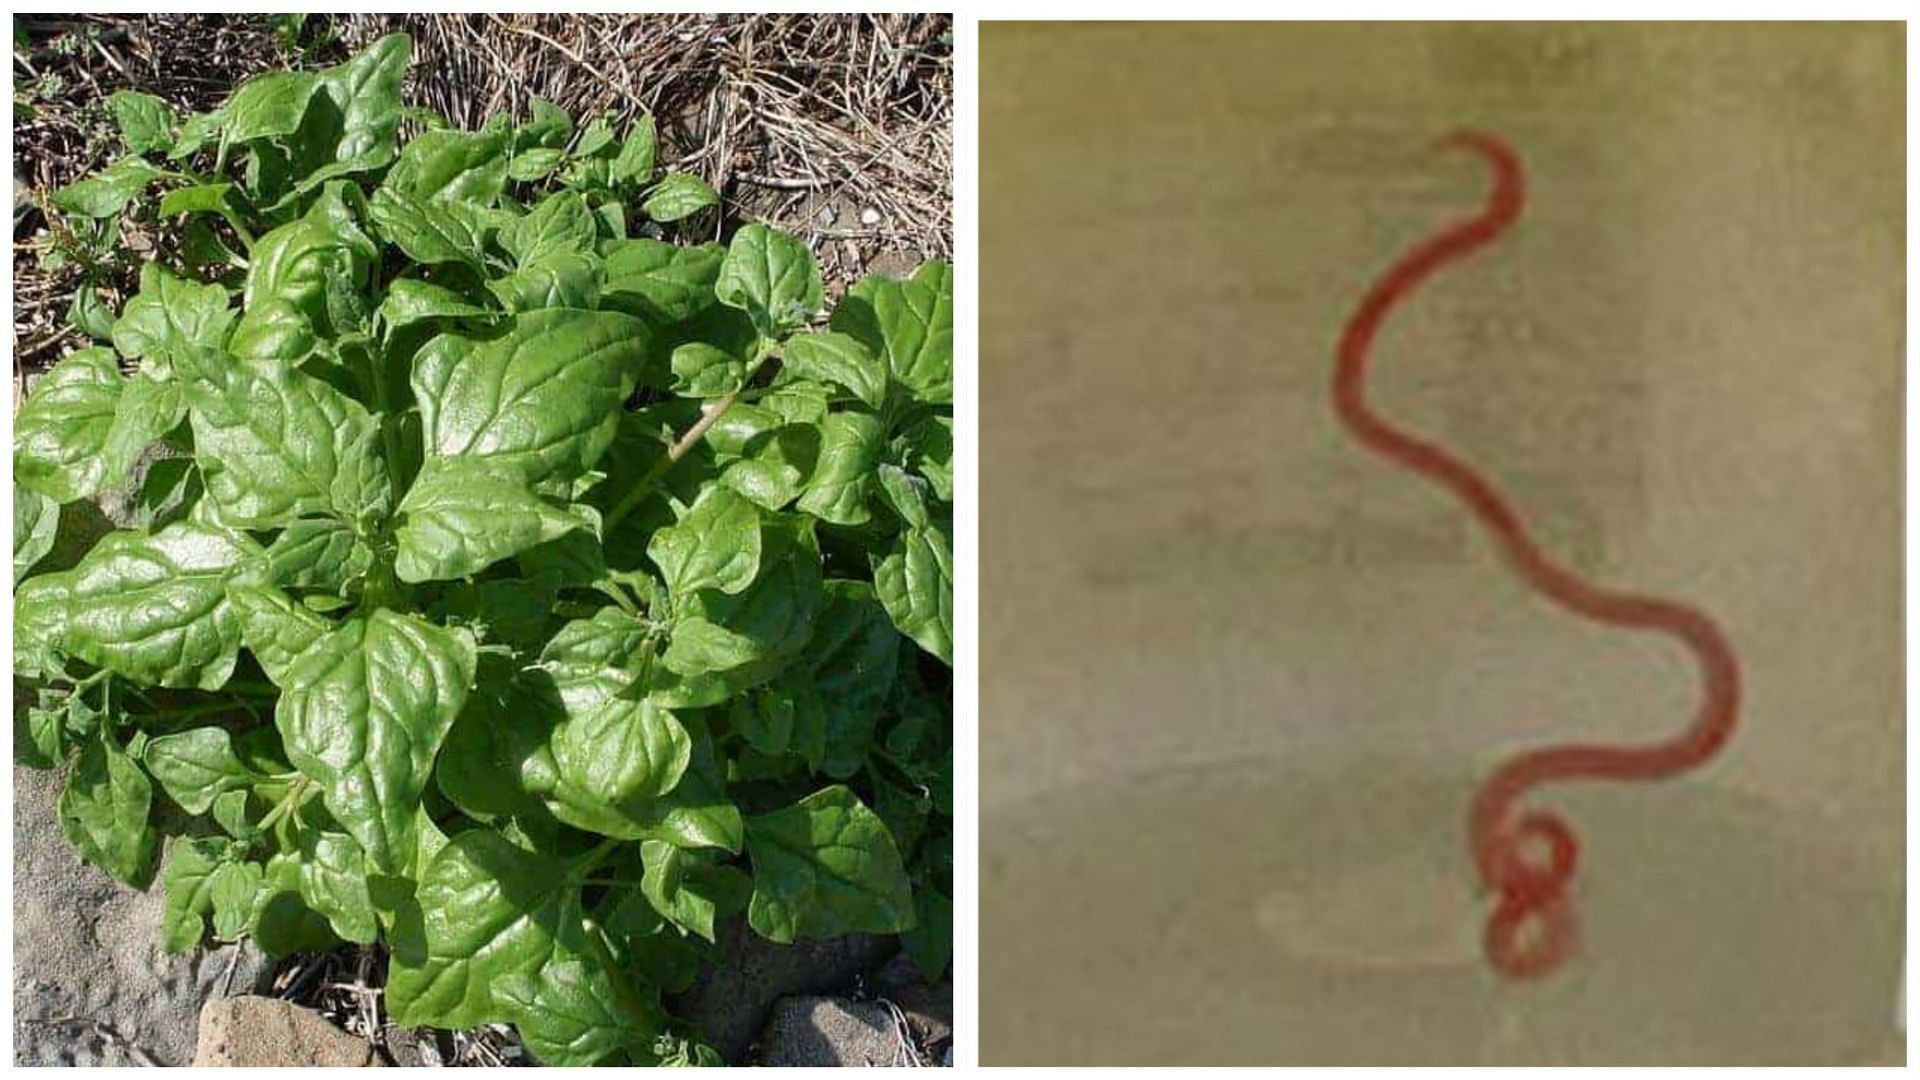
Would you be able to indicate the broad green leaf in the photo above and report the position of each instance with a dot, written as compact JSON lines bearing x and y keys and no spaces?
{"x":915,"y":582}
{"x":910,"y":323}
{"x":154,"y":608}
{"x":569,"y":1013}
{"x":492,"y":911}
{"x":534,"y":164}
{"x":276,"y":630}
{"x":634,"y":163}
{"x":146,"y":122}
{"x":678,"y":884}
{"x":929,"y":445}
{"x":299,"y":261}
{"x":595,"y":137}
{"x":773,"y":469}
{"x":823,"y":867}
{"x":365,"y":96}
{"x":723,"y":644}
{"x":561,"y":222}
{"x":39,"y":624}
{"x":462,"y":515}
{"x":558,"y":279}
{"x":333,"y":881}
{"x":107,"y":192}
{"x":90,"y":315}
{"x":318,"y":553}
{"x":196,"y":765}
{"x":235,"y":891}
{"x":617,"y":748}
{"x":839,"y":359}
{"x":771,"y":276}
{"x":60,"y":433}
{"x":548,"y":125}
{"x":661,"y":281}
{"x":677,"y":196}
{"x":851,"y":444}
{"x":363,"y":713}
{"x":457,"y":166}
{"x":702,"y":371}
{"x":428,"y":230}
{"x":230,"y":812}
{"x":410,"y":301}
{"x":280,"y":444}
{"x":542,"y":399}
{"x":170,"y":315}
{"x":188,"y":880}
{"x":197,"y":199}
{"x":104,"y":809}
{"x":714,"y":545}
{"x":36,"y":521}
{"x":273,"y":332}
{"x":148,"y":410}
{"x":267,"y":106}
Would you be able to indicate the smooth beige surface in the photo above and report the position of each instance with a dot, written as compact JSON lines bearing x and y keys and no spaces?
{"x":1683,"y":365}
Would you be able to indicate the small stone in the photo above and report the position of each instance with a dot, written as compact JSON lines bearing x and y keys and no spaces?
{"x":265,"y":1032}
{"x":833,"y":1031}
{"x":869,"y":216}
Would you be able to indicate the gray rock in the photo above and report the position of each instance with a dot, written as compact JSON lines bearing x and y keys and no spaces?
{"x":265,"y":1032}
{"x":91,"y":985}
{"x":833,"y":1031}
{"x":729,"y":1005}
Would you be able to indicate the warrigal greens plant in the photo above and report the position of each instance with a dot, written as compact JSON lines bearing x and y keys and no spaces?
{"x":505,"y":583}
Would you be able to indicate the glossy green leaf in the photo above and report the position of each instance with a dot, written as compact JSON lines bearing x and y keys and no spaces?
{"x":463,"y":514}
{"x":148,"y":410}
{"x":36,"y":521}
{"x":188,"y":880}
{"x":771,"y":276}
{"x":268,"y":106}
{"x":492,"y":910}
{"x":457,"y":166}
{"x":170,"y":315}
{"x":104,"y":810}
{"x":363,"y":713}
{"x":851,"y":444}
{"x":333,"y":877}
{"x":145,"y":121}
{"x":276,"y":630}
{"x":910,"y":324}
{"x":543,"y":399}
{"x":634,"y":163}
{"x":570,"y":1014}
{"x":826,"y":866}
{"x":677,"y":196}
{"x":557,"y":279}
{"x":714,"y":545}
{"x":661,"y":281}
{"x":428,"y":230}
{"x":195,"y":766}
{"x":562,"y":222}
{"x":60,"y":433}
{"x":410,"y":301}
{"x":915,"y":582}
{"x":839,"y":359}
{"x":107,"y":192}
{"x":154,"y":608}
{"x":234,"y":890}
{"x":280,"y":444}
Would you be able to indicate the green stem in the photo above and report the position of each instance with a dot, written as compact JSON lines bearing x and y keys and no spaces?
{"x":251,"y":688}
{"x":294,"y":798}
{"x":389,"y":424}
{"x":631,"y":501}
{"x":597,"y":938}
{"x":612,"y":883}
{"x":619,"y":597}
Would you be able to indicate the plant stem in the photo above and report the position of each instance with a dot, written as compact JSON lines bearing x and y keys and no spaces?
{"x":597,"y":938}
{"x":688,"y":441}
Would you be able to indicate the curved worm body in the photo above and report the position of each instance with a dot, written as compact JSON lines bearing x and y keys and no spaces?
{"x":1526,"y":858}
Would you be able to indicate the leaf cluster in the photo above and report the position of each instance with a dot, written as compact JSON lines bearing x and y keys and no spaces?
{"x":507,"y":583}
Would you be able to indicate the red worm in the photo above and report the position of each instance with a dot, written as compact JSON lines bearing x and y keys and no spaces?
{"x":1527,"y":857}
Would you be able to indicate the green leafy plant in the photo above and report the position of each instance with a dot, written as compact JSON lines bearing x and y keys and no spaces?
{"x":517,"y":591}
